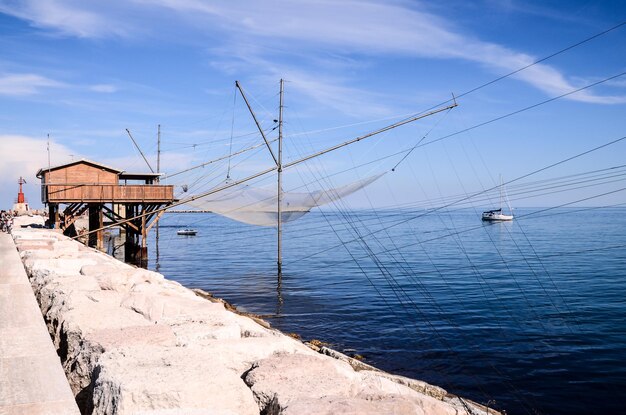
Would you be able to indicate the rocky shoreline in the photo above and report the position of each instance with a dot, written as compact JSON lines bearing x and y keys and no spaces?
{"x":133,"y":342}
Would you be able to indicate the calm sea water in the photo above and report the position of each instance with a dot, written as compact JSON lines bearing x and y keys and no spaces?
{"x":527,"y":316}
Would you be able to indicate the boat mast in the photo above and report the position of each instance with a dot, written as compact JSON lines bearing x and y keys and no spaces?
{"x":280,"y":190}
{"x":500,"y":193}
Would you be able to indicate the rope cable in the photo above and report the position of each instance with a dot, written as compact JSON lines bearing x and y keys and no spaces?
{"x":232,"y":129}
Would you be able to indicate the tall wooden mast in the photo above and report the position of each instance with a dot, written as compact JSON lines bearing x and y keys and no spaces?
{"x":158,"y":166}
{"x":279,"y":166}
{"x":280,"y":190}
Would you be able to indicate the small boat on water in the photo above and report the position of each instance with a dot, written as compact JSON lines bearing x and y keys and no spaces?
{"x":496,"y":215}
{"x":187,"y":232}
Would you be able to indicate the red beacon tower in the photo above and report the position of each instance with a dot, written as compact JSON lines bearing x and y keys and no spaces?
{"x":21,"y":205}
{"x":20,"y":194}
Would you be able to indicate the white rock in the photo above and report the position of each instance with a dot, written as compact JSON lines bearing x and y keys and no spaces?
{"x":168,"y":380}
{"x":65,"y":264}
{"x":285,"y":379}
{"x":240,"y":354}
{"x":386,"y":380}
{"x":299,"y":384}
{"x":157,"y":304}
{"x":333,"y":405}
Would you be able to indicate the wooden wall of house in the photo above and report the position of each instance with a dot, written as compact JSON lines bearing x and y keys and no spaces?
{"x":83,"y":182}
{"x":81,"y":173}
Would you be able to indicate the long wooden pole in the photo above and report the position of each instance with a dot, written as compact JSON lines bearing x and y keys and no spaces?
{"x":280,"y":189}
{"x":256,"y":121}
{"x":158,"y":166}
{"x":313,"y":155}
{"x":381,"y":130}
{"x":139,"y":149}
{"x":271,"y":169}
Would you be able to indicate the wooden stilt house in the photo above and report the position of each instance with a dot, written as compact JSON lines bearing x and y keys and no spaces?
{"x":105,"y":193}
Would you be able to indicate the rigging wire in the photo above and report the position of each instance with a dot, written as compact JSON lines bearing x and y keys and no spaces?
{"x":232,"y":129}
{"x":500,"y":78}
{"x":528,"y":190}
{"x":521,"y":252}
{"x":545,"y":187}
{"x":463,"y":199}
{"x":523,"y":217}
{"x":408,"y":153}
{"x":500,"y":118}
{"x":400,"y":293}
{"x":545,"y":58}
{"x":503,"y":116}
{"x":527,"y":108}
{"x":478,"y":227}
{"x":497,"y":249}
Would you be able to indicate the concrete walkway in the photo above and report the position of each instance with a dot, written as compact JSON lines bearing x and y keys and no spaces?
{"x":32,"y":380}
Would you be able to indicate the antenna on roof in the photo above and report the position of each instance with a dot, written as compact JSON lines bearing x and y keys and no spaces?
{"x":48,"y":147}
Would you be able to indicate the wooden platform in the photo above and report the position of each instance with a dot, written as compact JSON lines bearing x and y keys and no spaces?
{"x":109,"y":193}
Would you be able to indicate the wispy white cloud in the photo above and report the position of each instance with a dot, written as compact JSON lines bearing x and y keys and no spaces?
{"x":618,"y":82}
{"x":26,"y":84}
{"x":24,"y":156}
{"x":71,"y":17}
{"x":323,"y":85}
{"x":104,"y":88}
{"x":542,"y":9}
{"x":285,"y":28}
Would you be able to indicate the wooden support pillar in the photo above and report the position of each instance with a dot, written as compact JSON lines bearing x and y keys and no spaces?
{"x":129,"y":243}
{"x":133,"y":246}
{"x":96,"y":240}
{"x":53,"y":216}
{"x":93,"y":224}
{"x":56,"y":219}
{"x":100,"y":233}
{"x":143,"y":252}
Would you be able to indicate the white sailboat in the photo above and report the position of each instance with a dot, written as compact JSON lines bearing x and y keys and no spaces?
{"x":496,"y":215}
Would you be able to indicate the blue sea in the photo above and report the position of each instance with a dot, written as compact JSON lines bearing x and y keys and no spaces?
{"x":527,"y":316}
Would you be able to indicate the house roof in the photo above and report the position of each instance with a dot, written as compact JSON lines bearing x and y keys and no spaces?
{"x":83,"y":161}
{"x":139,"y":176}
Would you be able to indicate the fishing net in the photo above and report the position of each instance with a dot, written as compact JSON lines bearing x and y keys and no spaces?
{"x":259,"y":206}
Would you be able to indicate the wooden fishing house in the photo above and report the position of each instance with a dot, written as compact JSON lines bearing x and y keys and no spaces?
{"x":104,"y":192}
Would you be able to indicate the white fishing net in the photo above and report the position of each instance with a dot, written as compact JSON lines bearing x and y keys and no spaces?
{"x":259,"y":206}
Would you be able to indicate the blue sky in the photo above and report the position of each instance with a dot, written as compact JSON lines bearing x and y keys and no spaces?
{"x":84,"y":71}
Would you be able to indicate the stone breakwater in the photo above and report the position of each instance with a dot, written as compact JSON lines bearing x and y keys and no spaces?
{"x":133,"y":342}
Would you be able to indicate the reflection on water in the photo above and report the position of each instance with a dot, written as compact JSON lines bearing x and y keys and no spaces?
{"x":114,"y":243}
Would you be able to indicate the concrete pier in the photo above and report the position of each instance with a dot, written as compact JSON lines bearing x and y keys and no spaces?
{"x":32,"y":381}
